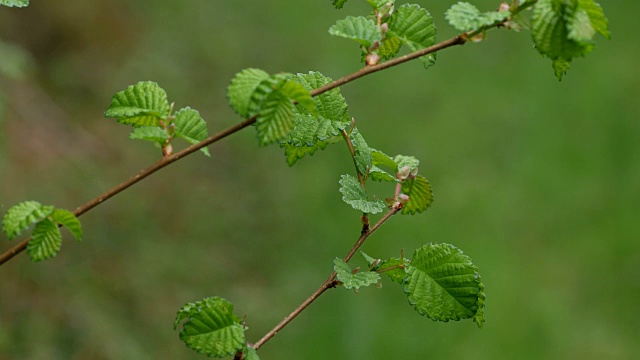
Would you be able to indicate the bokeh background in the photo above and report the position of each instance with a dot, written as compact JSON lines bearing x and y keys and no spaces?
{"x":537,"y":180}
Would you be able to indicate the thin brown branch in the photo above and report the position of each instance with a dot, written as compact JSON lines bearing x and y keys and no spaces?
{"x":458,"y":40}
{"x":327,"y":284}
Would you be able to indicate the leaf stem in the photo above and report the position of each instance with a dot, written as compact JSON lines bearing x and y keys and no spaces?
{"x":327,"y":284}
{"x":458,"y":40}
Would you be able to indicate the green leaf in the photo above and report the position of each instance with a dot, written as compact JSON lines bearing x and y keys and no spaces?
{"x":414,"y":26}
{"x":396,"y":275}
{"x":403,"y":160}
{"x":390,"y":47}
{"x":354,"y":195}
{"x":19,"y":217}
{"x":251,"y":354}
{"x":560,"y":68}
{"x":370,"y":260}
{"x":377,"y":174}
{"x":45,"y":242}
{"x":295,"y":153}
{"x":141,"y":104}
{"x":191,"y":127}
{"x":378,"y":4}
{"x":443,"y":284}
{"x":351,"y":280}
{"x":599,"y":22}
{"x":16,"y":3}
{"x":466,"y":17}
{"x":420,"y":195}
{"x":275,"y":119}
{"x":338,"y":3}
{"x":362,"y":153}
{"x":330,"y":105}
{"x":242,"y":87}
{"x":67,"y":219}
{"x":261,"y":93}
{"x":211,"y":327}
{"x":360,"y":29}
{"x":149,"y":133}
{"x":379,"y":158}
{"x":295,"y":91}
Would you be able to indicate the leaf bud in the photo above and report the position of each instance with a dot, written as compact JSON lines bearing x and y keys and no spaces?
{"x":403,"y":172}
{"x":372,"y":59}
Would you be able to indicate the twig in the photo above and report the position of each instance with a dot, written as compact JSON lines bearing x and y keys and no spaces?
{"x":327,"y":284}
{"x":458,"y":40}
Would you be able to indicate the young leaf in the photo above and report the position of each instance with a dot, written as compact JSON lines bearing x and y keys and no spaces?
{"x":389,"y":47}
{"x":67,"y":219}
{"x":443,"y":284}
{"x":370,"y":260}
{"x":16,"y":3}
{"x":466,"y":17}
{"x":377,"y":174}
{"x":560,"y":67}
{"x":351,"y":280}
{"x":295,"y":153}
{"x":211,"y":327}
{"x":420,"y":195}
{"x":330,"y":105}
{"x":414,"y":26}
{"x":19,"y":217}
{"x":379,"y":158}
{"x":275,"y":119}
{"x":251,"y":354}
{"x":191,"y":127}
{"x":241,"y":88}
{"x":45,"y":242}
{"x":378,"y":4}
{"x":599,"y":22}
{"x":264,"y":89}
{"x":295,"y":91}
{"x":362,"y":152}
{"x":354,"y":195}
{"x":141,"y":104}
{"x":149,"y":133}
{"x":404,"y":160}
{"x":359,"y":28}
{"x":338,"y":3}
{"x":396,"y":275}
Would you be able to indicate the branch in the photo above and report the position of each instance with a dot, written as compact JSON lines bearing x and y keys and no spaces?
{"x":327,"y":284}
{"x":458,"y":40}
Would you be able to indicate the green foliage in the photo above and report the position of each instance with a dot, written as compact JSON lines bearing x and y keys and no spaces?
{"x":16,"y":3}
{"x":275,"y":120}
{"x":250,"y":354}
{"x":142,"y":104}
{"x":563,"y":30}
{"x":19,"y":217}
{"x":378,"y":4}
{"x":390,"y":47}
{"x":211,"y":328}
{"x":466,"y":17}
{"x":420,"y":195}
{"x":190,"y":126}
{"x":396,"y":273}
{"x":362,"y":155}
{"x":351,"y":279}
{"x":414,"y":26}
{"x":443,"y":284}
{"x":404,"y":160}
{"x":338,"y":3}
{"x":313,"y":130}
{"x":359,"y":28}
{"x":356,"y":196}
{"x":242,"y":87}
{"x":46,"y":238}
{"x":150,"y":133}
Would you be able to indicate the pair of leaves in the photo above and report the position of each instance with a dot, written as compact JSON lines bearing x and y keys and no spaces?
{"x":46,"y":238}
{"x":145,"y":107}
{"x":410,"y":24}
{"x":439,"y":281}
{"x":466,"y":17}
{"x":562,"y":30}
{"x":211,"y":328}
{"x":351,"y":279}
{"x":16,"y":3}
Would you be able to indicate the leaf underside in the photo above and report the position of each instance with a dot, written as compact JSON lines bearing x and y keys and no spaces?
{"x":354,"y":195}
{"x":19,"y":217}
{"x":142,"y":104}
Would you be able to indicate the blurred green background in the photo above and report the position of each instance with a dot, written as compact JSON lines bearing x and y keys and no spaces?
{"x":537,"y":181}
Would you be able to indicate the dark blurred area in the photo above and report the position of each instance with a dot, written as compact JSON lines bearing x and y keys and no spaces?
{"x":538,"y":181}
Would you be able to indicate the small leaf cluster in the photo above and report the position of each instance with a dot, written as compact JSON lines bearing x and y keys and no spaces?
{"x":561,"y":29}
{"x":210,"y":327}
{"x":16,"y":3}
{"x":145,"y":107}
{"x":440,"y":282}
{"x":386,"y":29}
{"x":46,"y":238}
